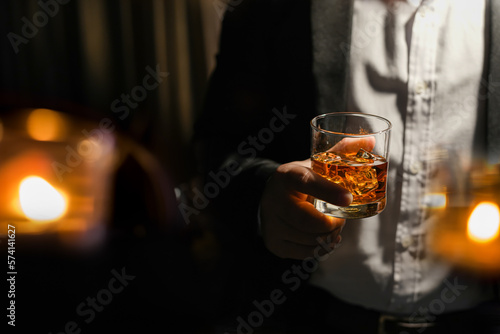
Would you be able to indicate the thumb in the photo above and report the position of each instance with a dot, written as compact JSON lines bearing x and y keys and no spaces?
{"x":305,"y":180}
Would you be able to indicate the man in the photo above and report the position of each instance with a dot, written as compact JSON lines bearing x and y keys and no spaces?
{"x":427,"y":66}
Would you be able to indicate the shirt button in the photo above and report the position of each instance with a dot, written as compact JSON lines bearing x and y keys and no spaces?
{"x":423,"y":11}
{"x":420,"y":87}
{"x":415,"y":167}
{"x":406,"y":241}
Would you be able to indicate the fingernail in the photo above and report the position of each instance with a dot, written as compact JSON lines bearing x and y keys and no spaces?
{"x":350,"y":198}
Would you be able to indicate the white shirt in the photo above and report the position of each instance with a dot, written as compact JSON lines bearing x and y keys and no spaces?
{"x":419,"y":64}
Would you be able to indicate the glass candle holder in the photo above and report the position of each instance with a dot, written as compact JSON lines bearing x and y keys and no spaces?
{"x":466,"y":228}
{"x":55,"y":171}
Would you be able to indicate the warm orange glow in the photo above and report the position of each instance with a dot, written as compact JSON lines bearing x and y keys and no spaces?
{"x":46,"y":125}
{"x":40,"y":201}
{"x":89,"y":149}
{"x":484,"y":223}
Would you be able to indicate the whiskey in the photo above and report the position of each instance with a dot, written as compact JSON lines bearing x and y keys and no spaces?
{"x":363,"y":173}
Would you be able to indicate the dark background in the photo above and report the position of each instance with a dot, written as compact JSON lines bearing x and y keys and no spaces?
{"x":86,"y":54}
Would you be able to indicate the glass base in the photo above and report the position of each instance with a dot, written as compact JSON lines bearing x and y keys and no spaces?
{"x":351,"y":211}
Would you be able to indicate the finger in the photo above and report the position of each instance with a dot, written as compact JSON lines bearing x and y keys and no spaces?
{"x":304,"y":180}
{"x":353,"y":145}
{"x":289,"y":250}
{"x":304,"y":217}
{"x":294,"y":235}
{"x":300,"y":252}
{"x":304,"y":163}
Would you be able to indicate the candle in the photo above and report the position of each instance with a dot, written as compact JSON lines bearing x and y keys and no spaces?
{"x":55,"y":172}
{"x":483,"y":225}
{"x":465,"y":231}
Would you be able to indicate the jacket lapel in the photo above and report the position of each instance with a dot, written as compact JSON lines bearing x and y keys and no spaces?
{"x":331,"y":22}
{"x":493,"y":126}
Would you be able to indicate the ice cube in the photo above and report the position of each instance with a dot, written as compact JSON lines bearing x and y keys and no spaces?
{"x":324,"y":163}
{"x":364,"y":154}
{"x":330,"y":157}
{"x":363,"y":181}
{"x":338,"y":180}
{"x":326,"y":157}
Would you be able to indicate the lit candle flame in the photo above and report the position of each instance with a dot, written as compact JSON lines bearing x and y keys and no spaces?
{"x":484,"y":223}
{"x":40,"y":201}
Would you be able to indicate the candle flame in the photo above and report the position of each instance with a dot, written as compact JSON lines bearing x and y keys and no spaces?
{"x":484,"y":223}
{"x":40,"y":201}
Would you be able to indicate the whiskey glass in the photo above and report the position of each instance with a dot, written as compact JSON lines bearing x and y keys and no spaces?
{"x":351,"y":149}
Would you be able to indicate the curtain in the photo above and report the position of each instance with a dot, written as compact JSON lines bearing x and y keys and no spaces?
{"x":95,"y":52}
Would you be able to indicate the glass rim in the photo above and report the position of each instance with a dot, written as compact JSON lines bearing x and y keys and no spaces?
{"x":356,"y":114}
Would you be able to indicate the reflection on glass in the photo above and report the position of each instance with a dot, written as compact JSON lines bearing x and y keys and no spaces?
{"x":46,"y":125}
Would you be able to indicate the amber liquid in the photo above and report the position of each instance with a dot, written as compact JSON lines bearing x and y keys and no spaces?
{"x":364,"y":174}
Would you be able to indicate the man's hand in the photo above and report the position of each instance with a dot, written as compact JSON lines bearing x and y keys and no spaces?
{"x":291,"y":225}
